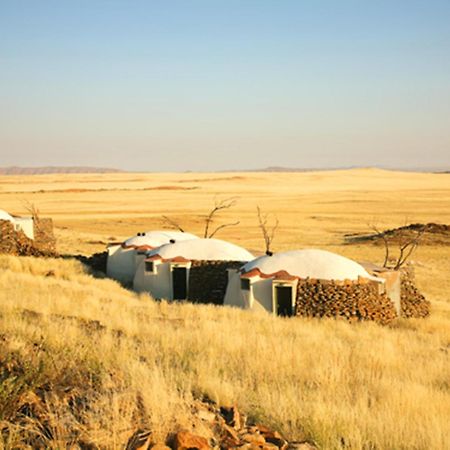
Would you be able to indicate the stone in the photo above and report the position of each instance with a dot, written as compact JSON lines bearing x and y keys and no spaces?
{"x":230,"y":437}
{"x":205,"y":415}
{"x":140,"y":440}
{"x":233,"y":417}
{"x":253,"y":438}
{"x":184,"y":440}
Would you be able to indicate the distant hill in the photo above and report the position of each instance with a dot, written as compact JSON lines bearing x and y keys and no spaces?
{"x":16,"y":170}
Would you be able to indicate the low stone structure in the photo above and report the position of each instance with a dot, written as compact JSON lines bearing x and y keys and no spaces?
{"x":15,"y":242}
{"x":208,"y":280}
{"x":351,"y":300}
{"x":413,"y":303}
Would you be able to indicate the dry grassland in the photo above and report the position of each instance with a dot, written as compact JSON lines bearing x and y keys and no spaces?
{"x":343,"y":386}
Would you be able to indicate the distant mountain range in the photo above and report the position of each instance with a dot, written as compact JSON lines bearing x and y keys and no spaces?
{"x":16,"y":170}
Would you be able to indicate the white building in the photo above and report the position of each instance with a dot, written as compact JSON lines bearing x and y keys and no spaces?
{"x":270,"y":282}
{"x":169,"y":272}
{"x":124,"y":258}
{"x":24,"y":224}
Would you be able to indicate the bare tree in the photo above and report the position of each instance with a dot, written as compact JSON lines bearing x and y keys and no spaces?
{"x":407,"y":244}
{"x":172,"y":223}
{"x":385,"y":241}
{"x":268,"y":235}
{"x":218,"y":206}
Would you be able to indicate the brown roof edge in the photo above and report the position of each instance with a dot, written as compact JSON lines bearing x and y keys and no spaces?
{"x":284,"y":275}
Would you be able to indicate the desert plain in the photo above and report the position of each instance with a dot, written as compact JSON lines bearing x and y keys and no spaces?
{"x":336,"y":384}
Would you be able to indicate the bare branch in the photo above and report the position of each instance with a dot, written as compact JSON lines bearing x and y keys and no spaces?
{"x":223,"y":226}
{"x":407,"y":249}
{"x":268,"y":237}
{"x":386,"y":244}
{"x":218,"y":206}
{"x":32,"y":209}
{"x":172,"y":223}
{"x":406,"y":245}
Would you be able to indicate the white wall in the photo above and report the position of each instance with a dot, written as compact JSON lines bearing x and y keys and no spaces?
{"x":259,"y":298}
{"x":120,"y":264}
{"x":158,"y":285}
{"x":26,"y":224}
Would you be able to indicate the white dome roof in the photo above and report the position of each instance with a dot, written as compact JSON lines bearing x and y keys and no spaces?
{"x":309,"y":263}
{"x":203,"y":249}
{"x":157,"y":238}
{"x":5,"y":216}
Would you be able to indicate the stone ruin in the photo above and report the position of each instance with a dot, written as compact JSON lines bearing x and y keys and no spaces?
{"x":15,"y":242}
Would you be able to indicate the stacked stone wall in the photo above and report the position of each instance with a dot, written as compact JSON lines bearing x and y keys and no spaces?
{"x":349,"y":300}
{"x":208,"y":280}
{"x":14,"y":242}
{"x":44,"y":237}
{"x":412,"y":302}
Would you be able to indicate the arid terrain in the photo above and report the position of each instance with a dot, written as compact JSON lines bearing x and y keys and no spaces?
{"x":132,"y":362}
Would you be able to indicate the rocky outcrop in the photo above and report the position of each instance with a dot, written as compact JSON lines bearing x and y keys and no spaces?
{"x":224,"y":428}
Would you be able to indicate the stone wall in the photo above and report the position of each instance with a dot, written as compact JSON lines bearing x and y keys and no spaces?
{"x":16,"y":243}
{"x":44,"y":237}
{"x":208,"y":280}
{"x":350,"y":300}
{"x":412,"y":302}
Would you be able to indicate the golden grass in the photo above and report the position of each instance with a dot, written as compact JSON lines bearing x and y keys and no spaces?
{"x":365,"y":385}
{"x":353,"y":386}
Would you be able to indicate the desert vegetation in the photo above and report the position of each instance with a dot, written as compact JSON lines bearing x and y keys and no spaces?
{"x":86,"y":362}
{"x":96,"y":361}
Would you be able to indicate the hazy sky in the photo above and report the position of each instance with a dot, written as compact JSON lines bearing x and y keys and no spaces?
{"x":224,"y":84}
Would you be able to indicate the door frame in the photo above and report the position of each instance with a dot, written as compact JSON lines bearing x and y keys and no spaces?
{"x":283,"y":283}
{"x":184,"y":265}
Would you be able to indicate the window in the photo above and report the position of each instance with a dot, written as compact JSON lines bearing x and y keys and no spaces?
{"x":245,"y":284}
{"x":149,"y":267}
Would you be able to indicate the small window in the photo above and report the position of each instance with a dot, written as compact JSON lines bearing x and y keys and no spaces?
{"x":245,"y":284}
{"x":149,"y":267}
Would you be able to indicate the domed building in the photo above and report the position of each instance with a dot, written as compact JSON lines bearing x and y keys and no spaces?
{"x":124,"y":258}
{"x":195,"y":270}
{"x":309,"y":282}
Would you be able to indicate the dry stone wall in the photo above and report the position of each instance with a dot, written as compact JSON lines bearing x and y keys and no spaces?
{"x":412,"y":302}
{"x":350,"y":300}
{"x":208,"y":280}
{"x":14,"y":242}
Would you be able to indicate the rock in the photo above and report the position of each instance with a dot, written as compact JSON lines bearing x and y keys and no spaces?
{"x":229,"y":437}
{"x":253,"y":438}
{"x":140,"y":440}
{"x":188,"y":441}
{"x":269,"y":446}
{"x":233,"y":417}
{"x":207,"y":416}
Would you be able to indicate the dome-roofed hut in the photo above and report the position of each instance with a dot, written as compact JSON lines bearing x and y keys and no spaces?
{"x":193,"y":270}
{"x":124,"y":257}
{"x":309,"y":282}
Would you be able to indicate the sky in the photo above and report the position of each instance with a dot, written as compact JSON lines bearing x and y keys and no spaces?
{"x":225,"y":84}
